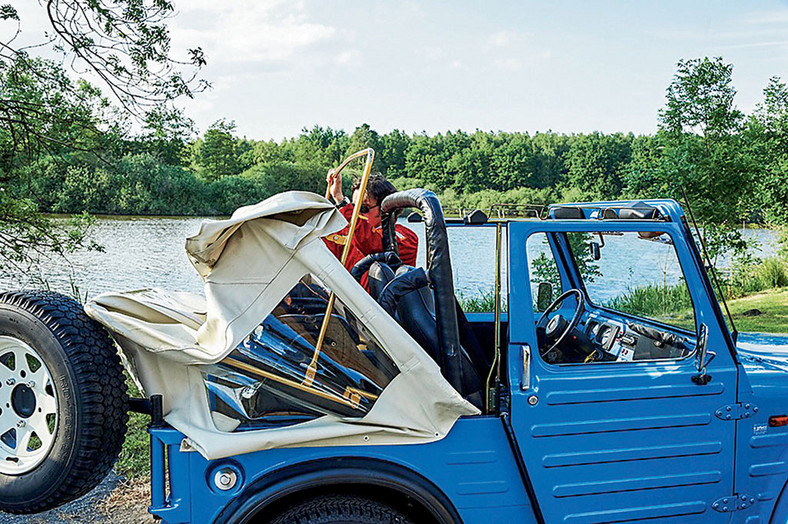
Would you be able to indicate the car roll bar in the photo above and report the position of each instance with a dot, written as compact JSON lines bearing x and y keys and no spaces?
{"x":438,"y":266}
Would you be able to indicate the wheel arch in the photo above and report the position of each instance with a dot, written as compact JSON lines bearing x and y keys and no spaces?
{"x":385,"y":481}
{"x":780,"y":511}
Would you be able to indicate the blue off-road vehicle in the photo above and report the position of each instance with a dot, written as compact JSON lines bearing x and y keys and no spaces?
{"x":289,"y":394}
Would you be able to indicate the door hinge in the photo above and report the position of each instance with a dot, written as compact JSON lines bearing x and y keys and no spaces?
{"x":736,"y":411}
{"x":733,"y":503}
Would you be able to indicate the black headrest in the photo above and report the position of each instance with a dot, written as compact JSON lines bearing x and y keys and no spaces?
{"x":476,"y":216}
{"x":568,"y":212}
{"x":362,"y":266}
{"x":379,"y":276}
{"x":639,"y":211}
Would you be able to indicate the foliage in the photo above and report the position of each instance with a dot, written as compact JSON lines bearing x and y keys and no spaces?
{"x":667,"y":303}
{"x":482,"y":302}
{"x":24,"y":241}
{"x":46,"y":116}
{"x":749,"y":275}
{"x":216,"y":154}
{"x":701,"y":149}
{"x":597,"y":163}
{"x":772,"y":272}
{"x":546,"y":270}
{"x":700,"y":99}
{"x":782,"y":242}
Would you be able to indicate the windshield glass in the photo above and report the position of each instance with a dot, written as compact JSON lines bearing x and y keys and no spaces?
{"x":635,"y":273}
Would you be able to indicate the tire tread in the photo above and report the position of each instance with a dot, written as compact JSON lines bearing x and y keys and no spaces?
{"x":327,"y":509}
{"x":101,"y":394}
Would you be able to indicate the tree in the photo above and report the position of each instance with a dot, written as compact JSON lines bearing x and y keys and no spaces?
{"x":125,"y":45}
{"x":513,"y":161}
{"x":549,"y":163}
{"x":767,"y":136}
{"x":217,"y":154}
{"x":166,"y":133}
{"x":394,"y":145}
{"x":700,"y":100}
{"x":703,"y":151}
{"x":324,"y":145}
{"x":362,"y":138}
{"x":597,"y":162}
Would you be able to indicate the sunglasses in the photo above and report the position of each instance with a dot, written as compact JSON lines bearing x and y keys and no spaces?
{"x":366,"y":208}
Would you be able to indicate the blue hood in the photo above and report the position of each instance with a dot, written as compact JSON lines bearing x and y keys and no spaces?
{"x":763,"y":348}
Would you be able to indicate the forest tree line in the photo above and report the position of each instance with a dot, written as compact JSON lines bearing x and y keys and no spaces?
{"x":732,"y":166}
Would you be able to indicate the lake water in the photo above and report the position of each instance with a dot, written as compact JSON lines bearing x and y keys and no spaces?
{"x":142,"y":252}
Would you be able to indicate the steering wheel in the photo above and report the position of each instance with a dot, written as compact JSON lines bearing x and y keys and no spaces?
{"x":557,"y":328}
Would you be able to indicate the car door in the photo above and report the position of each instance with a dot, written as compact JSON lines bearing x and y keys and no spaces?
{"x":622,"y":440}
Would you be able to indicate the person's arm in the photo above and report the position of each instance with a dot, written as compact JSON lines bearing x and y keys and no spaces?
{"x":334,"y":182}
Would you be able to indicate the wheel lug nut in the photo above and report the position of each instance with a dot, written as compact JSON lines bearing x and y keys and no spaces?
{"x":20,"y":424}
{"x":10,"y":381}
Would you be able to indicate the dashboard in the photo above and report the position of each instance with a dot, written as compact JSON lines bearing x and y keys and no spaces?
{"x":623,"y":340}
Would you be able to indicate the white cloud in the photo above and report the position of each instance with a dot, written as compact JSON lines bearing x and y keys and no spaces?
{"x":778,"y":16}
{"x":501,"y":38}
{"x":349,"y":58}
{"x":507,"y":64}
{"x":456,"y":64}
{"x":433,"y":53}
{"x":247,"y":30}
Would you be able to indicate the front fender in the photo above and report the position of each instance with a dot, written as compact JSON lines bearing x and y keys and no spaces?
{"x":780,"y":513}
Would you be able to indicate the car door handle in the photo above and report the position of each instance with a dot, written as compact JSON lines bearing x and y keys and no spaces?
{"x":526,"y":380}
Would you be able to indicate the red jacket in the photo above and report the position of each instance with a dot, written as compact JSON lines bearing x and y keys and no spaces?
{"x":368,"y":240}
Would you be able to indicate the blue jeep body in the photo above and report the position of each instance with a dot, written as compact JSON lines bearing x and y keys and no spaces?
{"x":576,"y":443}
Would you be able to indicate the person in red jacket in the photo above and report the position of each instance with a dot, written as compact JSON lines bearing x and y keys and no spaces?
{"x":368,"y":236}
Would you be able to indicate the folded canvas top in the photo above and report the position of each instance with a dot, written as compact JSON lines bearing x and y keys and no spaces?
{"x":251,"y":338}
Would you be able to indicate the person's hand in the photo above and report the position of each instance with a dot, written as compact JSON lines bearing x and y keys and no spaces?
{"x":334,"y":182}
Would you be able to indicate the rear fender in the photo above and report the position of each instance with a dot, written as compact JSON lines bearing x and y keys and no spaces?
{"x":278,"y":488}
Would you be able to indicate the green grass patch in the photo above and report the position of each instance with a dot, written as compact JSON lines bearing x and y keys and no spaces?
{"x":134,"y":460}
{"x":484,"y":302}
{"x":771,"y":315}
{"x":668,"y":304}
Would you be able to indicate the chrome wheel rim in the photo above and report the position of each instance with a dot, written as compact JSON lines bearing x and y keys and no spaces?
{"x":28,"y":407}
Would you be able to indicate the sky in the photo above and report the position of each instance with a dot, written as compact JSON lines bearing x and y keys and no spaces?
{"x":277,"y":66}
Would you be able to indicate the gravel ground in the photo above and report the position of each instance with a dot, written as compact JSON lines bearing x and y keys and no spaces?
{"x":115,"y":501}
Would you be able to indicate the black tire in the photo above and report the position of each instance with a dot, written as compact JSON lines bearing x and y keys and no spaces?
{"x":91,"y":400}
{"x":341,"y":509}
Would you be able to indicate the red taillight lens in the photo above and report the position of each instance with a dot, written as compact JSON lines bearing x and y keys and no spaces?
{"x":778,"y":421}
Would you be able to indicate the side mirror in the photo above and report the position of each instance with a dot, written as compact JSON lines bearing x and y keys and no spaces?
{"x":703,"y":356}
{"x":544,"y":296}
{"x":595,"y":250}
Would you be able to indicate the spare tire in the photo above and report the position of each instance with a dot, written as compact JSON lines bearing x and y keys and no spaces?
{"x":63,"y":401}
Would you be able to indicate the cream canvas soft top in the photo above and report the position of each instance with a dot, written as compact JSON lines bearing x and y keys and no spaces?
{"x":248,"y":263}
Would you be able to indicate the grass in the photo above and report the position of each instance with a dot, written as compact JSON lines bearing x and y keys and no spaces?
{"x":672,"y":306}
{"x":669,"y":304}
{"x":129,"y":499}
{"x":482,"y":302}
{"x":772,"y":304}
{"x":134,"y":460}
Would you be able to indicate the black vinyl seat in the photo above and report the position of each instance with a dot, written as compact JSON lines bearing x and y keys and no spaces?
{"x":405,"y":294}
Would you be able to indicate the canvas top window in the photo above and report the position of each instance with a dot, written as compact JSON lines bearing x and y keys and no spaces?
{"x":620,"y":297}
{"x":263,"y":382}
